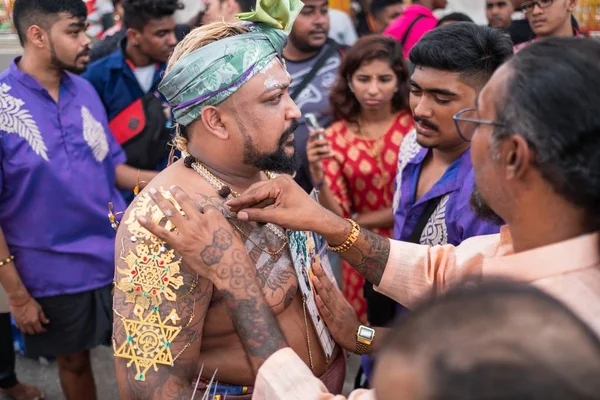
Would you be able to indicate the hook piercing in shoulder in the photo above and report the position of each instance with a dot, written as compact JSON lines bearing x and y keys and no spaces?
{"x":112,"y":216}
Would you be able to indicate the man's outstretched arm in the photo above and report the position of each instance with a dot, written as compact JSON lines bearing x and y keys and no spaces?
{"x":370,"y":253}
{"x":405,"y":272}
{"x":287,"y":205}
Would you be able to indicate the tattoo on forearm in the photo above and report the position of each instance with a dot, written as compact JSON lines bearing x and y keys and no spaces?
{"x":213,"y":253}
{"x":256,"y":326}
{"x":254,"y":322}
{"x":369,"y":255}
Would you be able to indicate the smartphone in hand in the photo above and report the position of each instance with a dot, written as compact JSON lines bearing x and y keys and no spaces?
{"x":313,"y":123}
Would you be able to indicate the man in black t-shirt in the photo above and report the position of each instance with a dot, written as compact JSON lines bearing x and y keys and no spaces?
{"x":307,"y":44}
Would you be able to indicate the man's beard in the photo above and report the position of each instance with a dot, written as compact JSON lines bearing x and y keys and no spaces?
{"x":304,"y":46}
{"x":58,"y":64}
{"x":481,"y":209}
{"x":277,"y":161}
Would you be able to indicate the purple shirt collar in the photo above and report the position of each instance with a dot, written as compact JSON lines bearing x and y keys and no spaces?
{"x":449,"y":182}
{"x":30,"y":82}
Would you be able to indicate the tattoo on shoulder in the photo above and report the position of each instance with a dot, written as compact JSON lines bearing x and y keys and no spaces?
{"x":370,"y":255}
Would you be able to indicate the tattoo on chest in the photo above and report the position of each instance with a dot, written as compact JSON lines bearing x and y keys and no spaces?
{"x":275,"y":274}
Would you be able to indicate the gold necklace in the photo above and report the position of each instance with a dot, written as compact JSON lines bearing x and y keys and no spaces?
{"x":310,"y":359}
{"x":224,"y":191}
{"x":216,"y":182}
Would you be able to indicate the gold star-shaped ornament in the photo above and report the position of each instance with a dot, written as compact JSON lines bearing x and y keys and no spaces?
{"x":152,"y":270}
{"x":151,"y":273}
{"x":148,"y":341}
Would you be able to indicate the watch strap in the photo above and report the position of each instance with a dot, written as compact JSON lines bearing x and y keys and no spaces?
{"x":361,"y":348}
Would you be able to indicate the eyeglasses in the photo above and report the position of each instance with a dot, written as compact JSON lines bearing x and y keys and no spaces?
{"x":466,"y":123}
{"x":528,"y":6}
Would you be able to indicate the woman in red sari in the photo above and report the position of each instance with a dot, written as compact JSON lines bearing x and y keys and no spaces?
{"x":353,"y":163}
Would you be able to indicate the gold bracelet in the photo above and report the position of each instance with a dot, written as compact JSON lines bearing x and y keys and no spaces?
{"x":349,"y":242}
{"x":8,"y":260}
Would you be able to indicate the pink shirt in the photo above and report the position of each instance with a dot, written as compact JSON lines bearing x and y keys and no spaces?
{"x":568,"y":270}
{"x":398,"y":28}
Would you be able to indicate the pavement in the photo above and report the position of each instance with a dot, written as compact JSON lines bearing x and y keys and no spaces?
{"x":46,"y":376}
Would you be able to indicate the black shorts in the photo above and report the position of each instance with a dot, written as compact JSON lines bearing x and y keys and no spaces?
{"x":78,"y":322}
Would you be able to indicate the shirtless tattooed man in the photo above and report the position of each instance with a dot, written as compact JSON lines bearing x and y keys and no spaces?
{"x":228,"y":87}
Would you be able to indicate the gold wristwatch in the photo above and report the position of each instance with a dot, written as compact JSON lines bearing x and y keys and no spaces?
{"x":364,"y":338}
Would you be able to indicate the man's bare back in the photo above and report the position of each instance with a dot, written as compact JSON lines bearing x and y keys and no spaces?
{"x":211,"y":339}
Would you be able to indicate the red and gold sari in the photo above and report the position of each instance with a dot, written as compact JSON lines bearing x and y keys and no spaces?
{"x":361,"y":176}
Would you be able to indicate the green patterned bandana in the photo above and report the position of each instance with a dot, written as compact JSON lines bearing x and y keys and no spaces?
{"x":209,"y":75}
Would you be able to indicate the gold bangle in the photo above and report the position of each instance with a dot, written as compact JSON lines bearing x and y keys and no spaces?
{"x":8,"y":260}
{"x":349,"y":242}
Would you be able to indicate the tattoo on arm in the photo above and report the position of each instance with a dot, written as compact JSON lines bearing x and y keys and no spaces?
{"x":369,"y":255}
{"x":255,"y":324}
{"x":213,"y":253}
{"x":168,"y":382}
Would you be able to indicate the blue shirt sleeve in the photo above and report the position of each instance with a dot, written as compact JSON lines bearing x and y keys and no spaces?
{"x":117,"y":153}
{"x":96,"y":80}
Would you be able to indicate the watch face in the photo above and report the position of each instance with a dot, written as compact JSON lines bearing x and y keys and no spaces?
{"x":365,"y":332}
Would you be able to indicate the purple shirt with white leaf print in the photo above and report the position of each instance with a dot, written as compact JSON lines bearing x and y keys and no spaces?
{"x":57,"y":176}
{"x":453,"y":220}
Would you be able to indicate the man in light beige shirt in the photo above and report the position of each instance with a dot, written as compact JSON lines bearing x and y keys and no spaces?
{"x":536,"y":157}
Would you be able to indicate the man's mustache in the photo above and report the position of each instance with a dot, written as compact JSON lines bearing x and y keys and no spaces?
{"x":426,"y":123}
{"x":83,"y":53}
{"x":288,"y":132}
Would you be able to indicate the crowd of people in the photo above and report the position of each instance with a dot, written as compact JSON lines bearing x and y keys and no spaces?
{"x":151,"y":173}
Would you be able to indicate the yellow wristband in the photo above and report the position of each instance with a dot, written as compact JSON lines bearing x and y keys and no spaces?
{"x":349,"y":242}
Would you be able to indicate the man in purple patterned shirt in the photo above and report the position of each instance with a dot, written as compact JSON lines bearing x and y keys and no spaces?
{"x":435,"y":175}
{"x":59,"y":169}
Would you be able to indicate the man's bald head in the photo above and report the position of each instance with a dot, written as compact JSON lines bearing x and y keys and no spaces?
{"x":501,"y":341}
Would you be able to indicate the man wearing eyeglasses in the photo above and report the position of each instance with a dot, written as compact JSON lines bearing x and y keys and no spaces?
{"x":549,"y":18}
